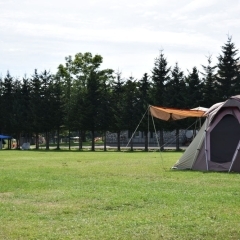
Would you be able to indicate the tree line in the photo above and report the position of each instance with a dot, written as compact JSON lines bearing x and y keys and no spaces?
{"x":81,"y":96}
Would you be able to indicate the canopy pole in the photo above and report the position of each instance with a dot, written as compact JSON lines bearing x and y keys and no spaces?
{"x":137,"y":127}
{"x":157,"y":141}
{"x":156,"y":134}
{"x":234,"y":156}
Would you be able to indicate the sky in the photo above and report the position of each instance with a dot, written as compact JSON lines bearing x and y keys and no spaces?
{"x":128,"y":34}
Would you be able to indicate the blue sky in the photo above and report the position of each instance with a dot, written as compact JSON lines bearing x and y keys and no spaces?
{"x":128,"y":34}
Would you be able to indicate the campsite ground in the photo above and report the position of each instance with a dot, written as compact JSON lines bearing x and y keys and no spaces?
{"x":113,"y":195}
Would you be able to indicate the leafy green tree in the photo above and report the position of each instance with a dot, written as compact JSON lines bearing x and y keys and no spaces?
{"x":83,"y":73}
{"x":84,"y":66}
{"x":228,"y":71}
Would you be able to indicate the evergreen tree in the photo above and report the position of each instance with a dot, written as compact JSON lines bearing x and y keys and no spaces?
{"x":105,"y":106}
{"x":7,"y":103}
{"x":209,"y":84}
{"x":143,"y":104}
{"x":130,"y":115}
{"x":37,"y":109}
{"x":176,"y":89}
{"x":92,"y":105}
{"x":57,"y":106}
{"x":47,"y":104}
{"x":194,"y":94}
{"x":27,"y":120}
{"x":77,"y":110}
{"x":228,"y":71}
{"x":66,"y":74}
{"x":1,"y":105}
{"x":18,"y":111}
{"x":194,"y":89}
{"x":160,"y":75}
{"x":117,"y":107}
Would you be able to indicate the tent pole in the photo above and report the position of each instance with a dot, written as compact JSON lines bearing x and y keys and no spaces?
{"x":234,"y":156}
{"x":198,"y":148}
{"x":206,"y":153}
{"x":148,"y":132}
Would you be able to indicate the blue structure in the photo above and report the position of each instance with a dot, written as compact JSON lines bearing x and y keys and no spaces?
{"x":3,"y":137}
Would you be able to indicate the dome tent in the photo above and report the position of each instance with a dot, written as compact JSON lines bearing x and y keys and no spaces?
{"x":217,"y":144}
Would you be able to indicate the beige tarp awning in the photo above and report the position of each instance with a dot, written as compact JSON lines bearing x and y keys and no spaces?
{"x":168,"y":114}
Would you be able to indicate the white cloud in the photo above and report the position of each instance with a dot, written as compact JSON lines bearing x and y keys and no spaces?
{"x":198,"y":4}
{"x":128,"y":34}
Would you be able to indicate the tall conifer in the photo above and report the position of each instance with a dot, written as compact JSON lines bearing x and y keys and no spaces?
{"x":228,"y":71}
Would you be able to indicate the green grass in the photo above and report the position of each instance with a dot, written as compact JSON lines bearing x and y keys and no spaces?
{"x":113,"y":195}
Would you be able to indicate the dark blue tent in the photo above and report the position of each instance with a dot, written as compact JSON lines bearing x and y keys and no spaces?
{"x":2,"y":137}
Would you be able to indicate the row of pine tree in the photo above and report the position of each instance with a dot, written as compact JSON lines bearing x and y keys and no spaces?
{"x":82,"y":97}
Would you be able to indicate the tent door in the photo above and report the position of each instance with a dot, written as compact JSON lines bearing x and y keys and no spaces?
{"x":224,"y":139}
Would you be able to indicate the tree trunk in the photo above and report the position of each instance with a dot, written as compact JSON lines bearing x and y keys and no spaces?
{"x":131,"y":144}
{"x":93,"y":143}
{"x":146,"y":141}
{"x":58,"y":140}
{"x":47,"y":140}
{"x":83,"y":136}
{"x":161,"y":140}
{"x":37,"y":141}
{"x":69,"y":140}
{"x":80,"y":140}
{"x":177,"y":139}
{"x":105,"y":141}
{"x":18,"y":140}
{"x":118,"y":141}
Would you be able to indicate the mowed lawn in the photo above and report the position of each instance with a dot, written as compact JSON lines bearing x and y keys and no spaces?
{"x":113,"y":195}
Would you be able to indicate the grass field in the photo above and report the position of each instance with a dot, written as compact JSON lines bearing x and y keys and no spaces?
{"x":113,"y":195}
